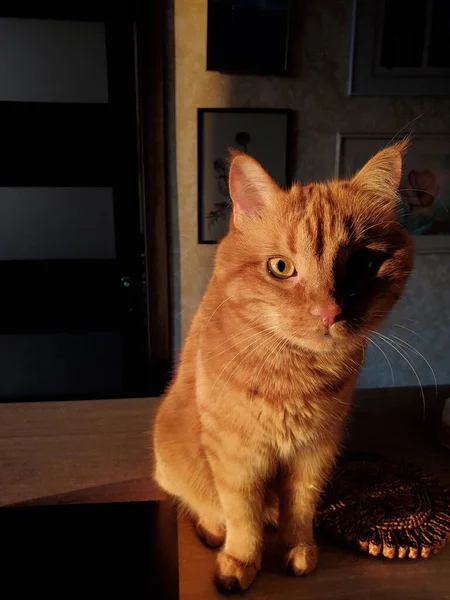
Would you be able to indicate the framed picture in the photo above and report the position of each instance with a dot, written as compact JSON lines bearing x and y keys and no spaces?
{"x":424,"y":205}
{"x":400,"y":48}
{"x":259,"y":132}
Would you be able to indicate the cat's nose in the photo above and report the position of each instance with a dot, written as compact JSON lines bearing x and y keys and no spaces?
{"x":327,"y":313}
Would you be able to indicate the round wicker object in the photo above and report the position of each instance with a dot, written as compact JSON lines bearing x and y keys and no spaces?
{"x":386,"y":508}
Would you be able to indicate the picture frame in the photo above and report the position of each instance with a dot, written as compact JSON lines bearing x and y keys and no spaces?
{"x":262,"y":133}
{"x":424,"y":207}
{"x":395,"y":54}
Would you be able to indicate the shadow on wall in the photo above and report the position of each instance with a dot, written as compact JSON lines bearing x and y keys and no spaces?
{"x":316,"y":91}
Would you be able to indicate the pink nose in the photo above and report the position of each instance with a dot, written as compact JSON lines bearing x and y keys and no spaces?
{"x":328,"y":313}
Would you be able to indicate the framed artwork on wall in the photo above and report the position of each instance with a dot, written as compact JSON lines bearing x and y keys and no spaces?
{"x":400,"y":48}
{"x":262,"y":133}
{"x":424,"y":193}
{"x":248,"y":36}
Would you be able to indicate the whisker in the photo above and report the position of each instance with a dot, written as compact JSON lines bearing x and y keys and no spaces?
{"x":276,"y":345}
{"x":214,"y":312}
{"x":230,"y":338}
{"x":423,"y":358}
{"x":253,"y":320}
{"x":277,"y":352}
{"x":234,"y":358}
{"x":207,"y":358}
{"x":414,"y":332}
{"x":385,"y":356}
{"x":377,"y":225}
{"x":387,"y":341}
{"x":245,"y":357}
{"x":417,"y":190}
{"x":404,"y":127}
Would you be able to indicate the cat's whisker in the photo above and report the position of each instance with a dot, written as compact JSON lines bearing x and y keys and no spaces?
{"x":277,"y":352}
{"x":408,"y":135}
{"x":208,"y":358}
{"x":256,"y":321}
{"x":412,"y":331}
{"x":342,"y":401}
{"x":402,"y":354}
{"x":234,"y":358}
{"x":263,"y":333}
{"x":385,"y":356}
{"x":403,"y":342}
{"x":277,"y":345}
{"x":262,"y":362}
{"x":377,"y":225}
{"x":231,"y":337}
{"x":417,"y":190}
{"x":214,"y":312}
{"x":265,"y":341}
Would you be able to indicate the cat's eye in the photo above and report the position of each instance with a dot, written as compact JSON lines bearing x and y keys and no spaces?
{"x":365,"y":263}
{"x":281,"y":267}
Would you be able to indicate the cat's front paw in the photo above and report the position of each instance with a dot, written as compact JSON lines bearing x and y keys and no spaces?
{"x":211,"y":534}
{"x":301,"y":560}
{"x":232,"y":575}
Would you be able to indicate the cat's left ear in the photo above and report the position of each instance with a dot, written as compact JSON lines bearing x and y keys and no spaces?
{"x":250,"y":186}
{"x":381,"y":176}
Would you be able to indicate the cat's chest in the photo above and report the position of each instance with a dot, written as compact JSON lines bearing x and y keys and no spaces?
{"x":283,"y":429}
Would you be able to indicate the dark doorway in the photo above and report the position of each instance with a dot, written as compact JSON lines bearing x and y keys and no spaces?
{"x":73,"y":304}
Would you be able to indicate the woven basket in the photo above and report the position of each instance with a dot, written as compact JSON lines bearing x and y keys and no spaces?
{"x":386,"y":508}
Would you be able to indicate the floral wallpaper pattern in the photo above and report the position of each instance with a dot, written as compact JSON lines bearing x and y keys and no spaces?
{"x":316,"y":90}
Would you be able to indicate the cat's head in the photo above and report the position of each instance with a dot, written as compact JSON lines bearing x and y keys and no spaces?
{"x":322,"y":263}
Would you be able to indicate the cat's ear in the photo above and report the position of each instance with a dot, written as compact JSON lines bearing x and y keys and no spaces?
{"x":382,"y":174}
{"x":250,"y":186}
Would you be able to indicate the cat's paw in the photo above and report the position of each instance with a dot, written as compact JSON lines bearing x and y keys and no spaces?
{"x":232,"y":575}
{"x":211,"y":535}
{"x":301,"y":560}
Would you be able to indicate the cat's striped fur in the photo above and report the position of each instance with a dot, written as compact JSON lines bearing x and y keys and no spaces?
{"x":248,"y":431}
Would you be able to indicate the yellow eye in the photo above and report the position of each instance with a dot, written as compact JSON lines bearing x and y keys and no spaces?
{"x":281,"y":267}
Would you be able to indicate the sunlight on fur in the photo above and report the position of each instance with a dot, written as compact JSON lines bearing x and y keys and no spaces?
{"x":249,"y":429}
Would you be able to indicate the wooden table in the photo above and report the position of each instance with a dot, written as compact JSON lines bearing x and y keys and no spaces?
{"x":99,"y":451}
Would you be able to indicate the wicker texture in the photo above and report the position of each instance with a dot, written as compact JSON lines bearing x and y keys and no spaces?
{"x":386,"y":508}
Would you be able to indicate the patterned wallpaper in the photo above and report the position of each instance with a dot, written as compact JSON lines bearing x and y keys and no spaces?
{"x":316,"y":91}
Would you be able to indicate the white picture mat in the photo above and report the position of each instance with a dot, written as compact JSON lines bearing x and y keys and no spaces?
{"x":268,"y":145}
{"x":354,"y":150}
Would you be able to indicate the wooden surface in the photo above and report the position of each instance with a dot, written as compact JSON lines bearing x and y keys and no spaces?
{"x":77,"y":452}
{"x":49,"y":448}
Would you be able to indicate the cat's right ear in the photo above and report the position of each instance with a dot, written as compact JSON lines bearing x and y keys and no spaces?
{"x":250,"y":186}
{"x":382,"y":174}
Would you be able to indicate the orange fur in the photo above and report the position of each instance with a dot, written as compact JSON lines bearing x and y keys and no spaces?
{"x":252,"y":422}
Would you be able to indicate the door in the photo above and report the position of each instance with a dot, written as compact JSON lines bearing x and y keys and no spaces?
{"x":72,"y":318}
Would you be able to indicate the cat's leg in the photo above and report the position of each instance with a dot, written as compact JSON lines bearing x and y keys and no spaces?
{"x":185,"y":474}
{"x":241,"y":496}
{"x":194,"y":489}
{"x":211,"y":531}
{"x":301,"y":483}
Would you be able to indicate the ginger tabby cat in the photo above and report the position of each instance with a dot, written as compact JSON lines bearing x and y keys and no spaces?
{"x":249,"y":429}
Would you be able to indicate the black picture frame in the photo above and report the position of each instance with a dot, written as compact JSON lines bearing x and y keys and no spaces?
{"x":248,"y":37}
{"x":372,"y":72}
{"x":274,"y":158}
